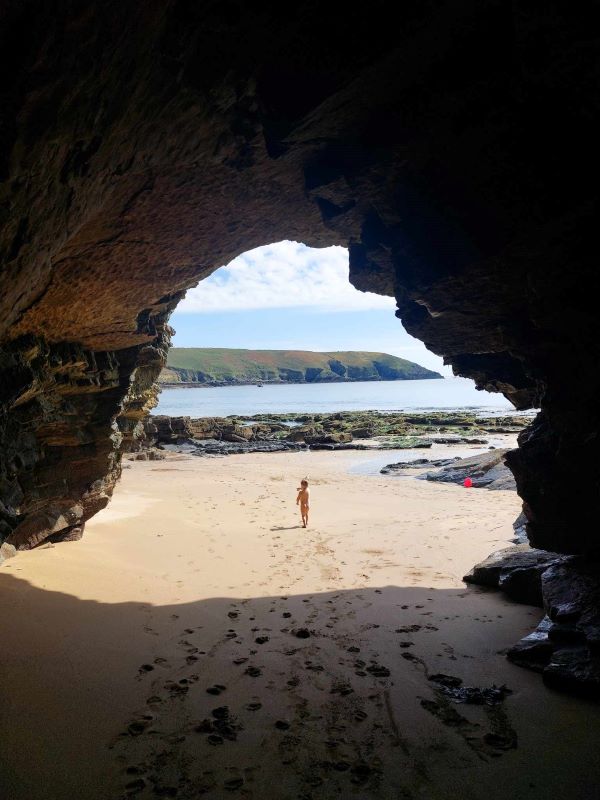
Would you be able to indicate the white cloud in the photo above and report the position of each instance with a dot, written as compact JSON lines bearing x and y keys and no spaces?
{"x":283,"y":275}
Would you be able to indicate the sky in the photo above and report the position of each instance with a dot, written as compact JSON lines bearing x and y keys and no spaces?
{"x":287,"y":296}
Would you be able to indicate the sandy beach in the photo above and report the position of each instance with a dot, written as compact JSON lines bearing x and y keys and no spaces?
{"x":199,"y":642}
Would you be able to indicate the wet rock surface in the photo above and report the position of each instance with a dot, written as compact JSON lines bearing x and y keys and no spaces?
{"x":349,"y":430}
{"x":416,"y":464}
{"x":488,"y":470}
{"x":453,"y":687}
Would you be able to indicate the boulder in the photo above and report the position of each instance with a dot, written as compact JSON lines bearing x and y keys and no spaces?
{"x":565,"y":647}
{"x":329,"y":438}
{"x":517,"y":570}
{"x":7,"y":551}
{"x":485,"y":470}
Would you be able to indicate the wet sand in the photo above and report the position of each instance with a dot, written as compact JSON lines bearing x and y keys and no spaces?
{"x":198,"y":642}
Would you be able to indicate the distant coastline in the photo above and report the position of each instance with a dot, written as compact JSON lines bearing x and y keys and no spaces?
{"x":217,"y":367}
{"x":195,"y":385}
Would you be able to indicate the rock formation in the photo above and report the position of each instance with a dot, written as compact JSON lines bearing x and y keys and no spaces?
{"x":450,"y":146}
{"x":565,"y":646}
{"x":342,"y":430}
{"x":488,"y":470}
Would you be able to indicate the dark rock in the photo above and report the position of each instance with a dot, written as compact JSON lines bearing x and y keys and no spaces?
{"x":520,"y":529}
{"x":363,"y":433}
{"x":339,"y":437}
{"x":344,"y":446}
{"x":517,"y":570}
{"x":452,"y":687}
{"x":572,"y":593}
{"x":417,"y":463}
{"x":456,"y":440}
{"x":565,"y":647}
{"x":574,"y":670}
{"x":523,"y":584}
{"x":486,"y":470}
{"x":565,"y":634}
{"x":534,"y":650}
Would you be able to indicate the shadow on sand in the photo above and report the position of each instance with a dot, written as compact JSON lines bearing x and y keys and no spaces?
{"x":306,"y":696}
{"x":288,"y":528}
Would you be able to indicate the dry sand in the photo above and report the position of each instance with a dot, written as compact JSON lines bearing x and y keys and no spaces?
{"x":198,"y":576}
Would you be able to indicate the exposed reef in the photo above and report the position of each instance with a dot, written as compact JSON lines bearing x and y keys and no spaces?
{"x":348,"y":430}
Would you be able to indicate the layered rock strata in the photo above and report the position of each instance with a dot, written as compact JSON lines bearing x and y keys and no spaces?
{"x":72,"y":411}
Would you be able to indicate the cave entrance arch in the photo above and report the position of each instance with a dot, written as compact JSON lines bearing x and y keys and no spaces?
{"x":285,"y":297}
{"x":420,"y":142}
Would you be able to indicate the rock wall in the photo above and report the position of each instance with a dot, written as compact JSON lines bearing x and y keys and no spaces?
{"x":448,"y":145}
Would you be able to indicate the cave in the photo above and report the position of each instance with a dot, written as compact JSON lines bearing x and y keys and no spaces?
{"x":448,"y":145}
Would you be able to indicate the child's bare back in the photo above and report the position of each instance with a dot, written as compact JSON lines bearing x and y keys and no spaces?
{"x":303,"y":500}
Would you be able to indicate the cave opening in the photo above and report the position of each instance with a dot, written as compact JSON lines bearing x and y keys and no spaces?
{"x":212,"y":611}
{"x":448,"y":146}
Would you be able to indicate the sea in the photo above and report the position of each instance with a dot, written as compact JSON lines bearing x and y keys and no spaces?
{"x":447,"y":394}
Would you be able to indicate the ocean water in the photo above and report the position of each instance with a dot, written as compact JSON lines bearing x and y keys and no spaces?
{"x":439,"y":395}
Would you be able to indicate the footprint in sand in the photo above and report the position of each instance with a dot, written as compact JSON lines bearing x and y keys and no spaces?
{"x":144,"y":670}
{"x":217,"y":689}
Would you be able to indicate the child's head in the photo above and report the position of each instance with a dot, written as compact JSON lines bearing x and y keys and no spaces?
{"x":304,"y":483}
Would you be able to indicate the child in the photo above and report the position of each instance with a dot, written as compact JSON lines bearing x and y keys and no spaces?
{"x":303,"y":500}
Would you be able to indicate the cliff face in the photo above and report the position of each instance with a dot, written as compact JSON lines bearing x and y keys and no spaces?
{"x":223,"y":366}
{"x":447,"y":145}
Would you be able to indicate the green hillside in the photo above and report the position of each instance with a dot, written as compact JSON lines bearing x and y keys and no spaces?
{"x":217,"y":366}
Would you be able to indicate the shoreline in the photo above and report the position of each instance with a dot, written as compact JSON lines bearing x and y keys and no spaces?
{"x":449,"y":394}
{"x":221,"y":384}
{"x":114,"y":647}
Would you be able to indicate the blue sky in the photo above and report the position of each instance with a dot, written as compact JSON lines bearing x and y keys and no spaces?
{"x":289,"y":296}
